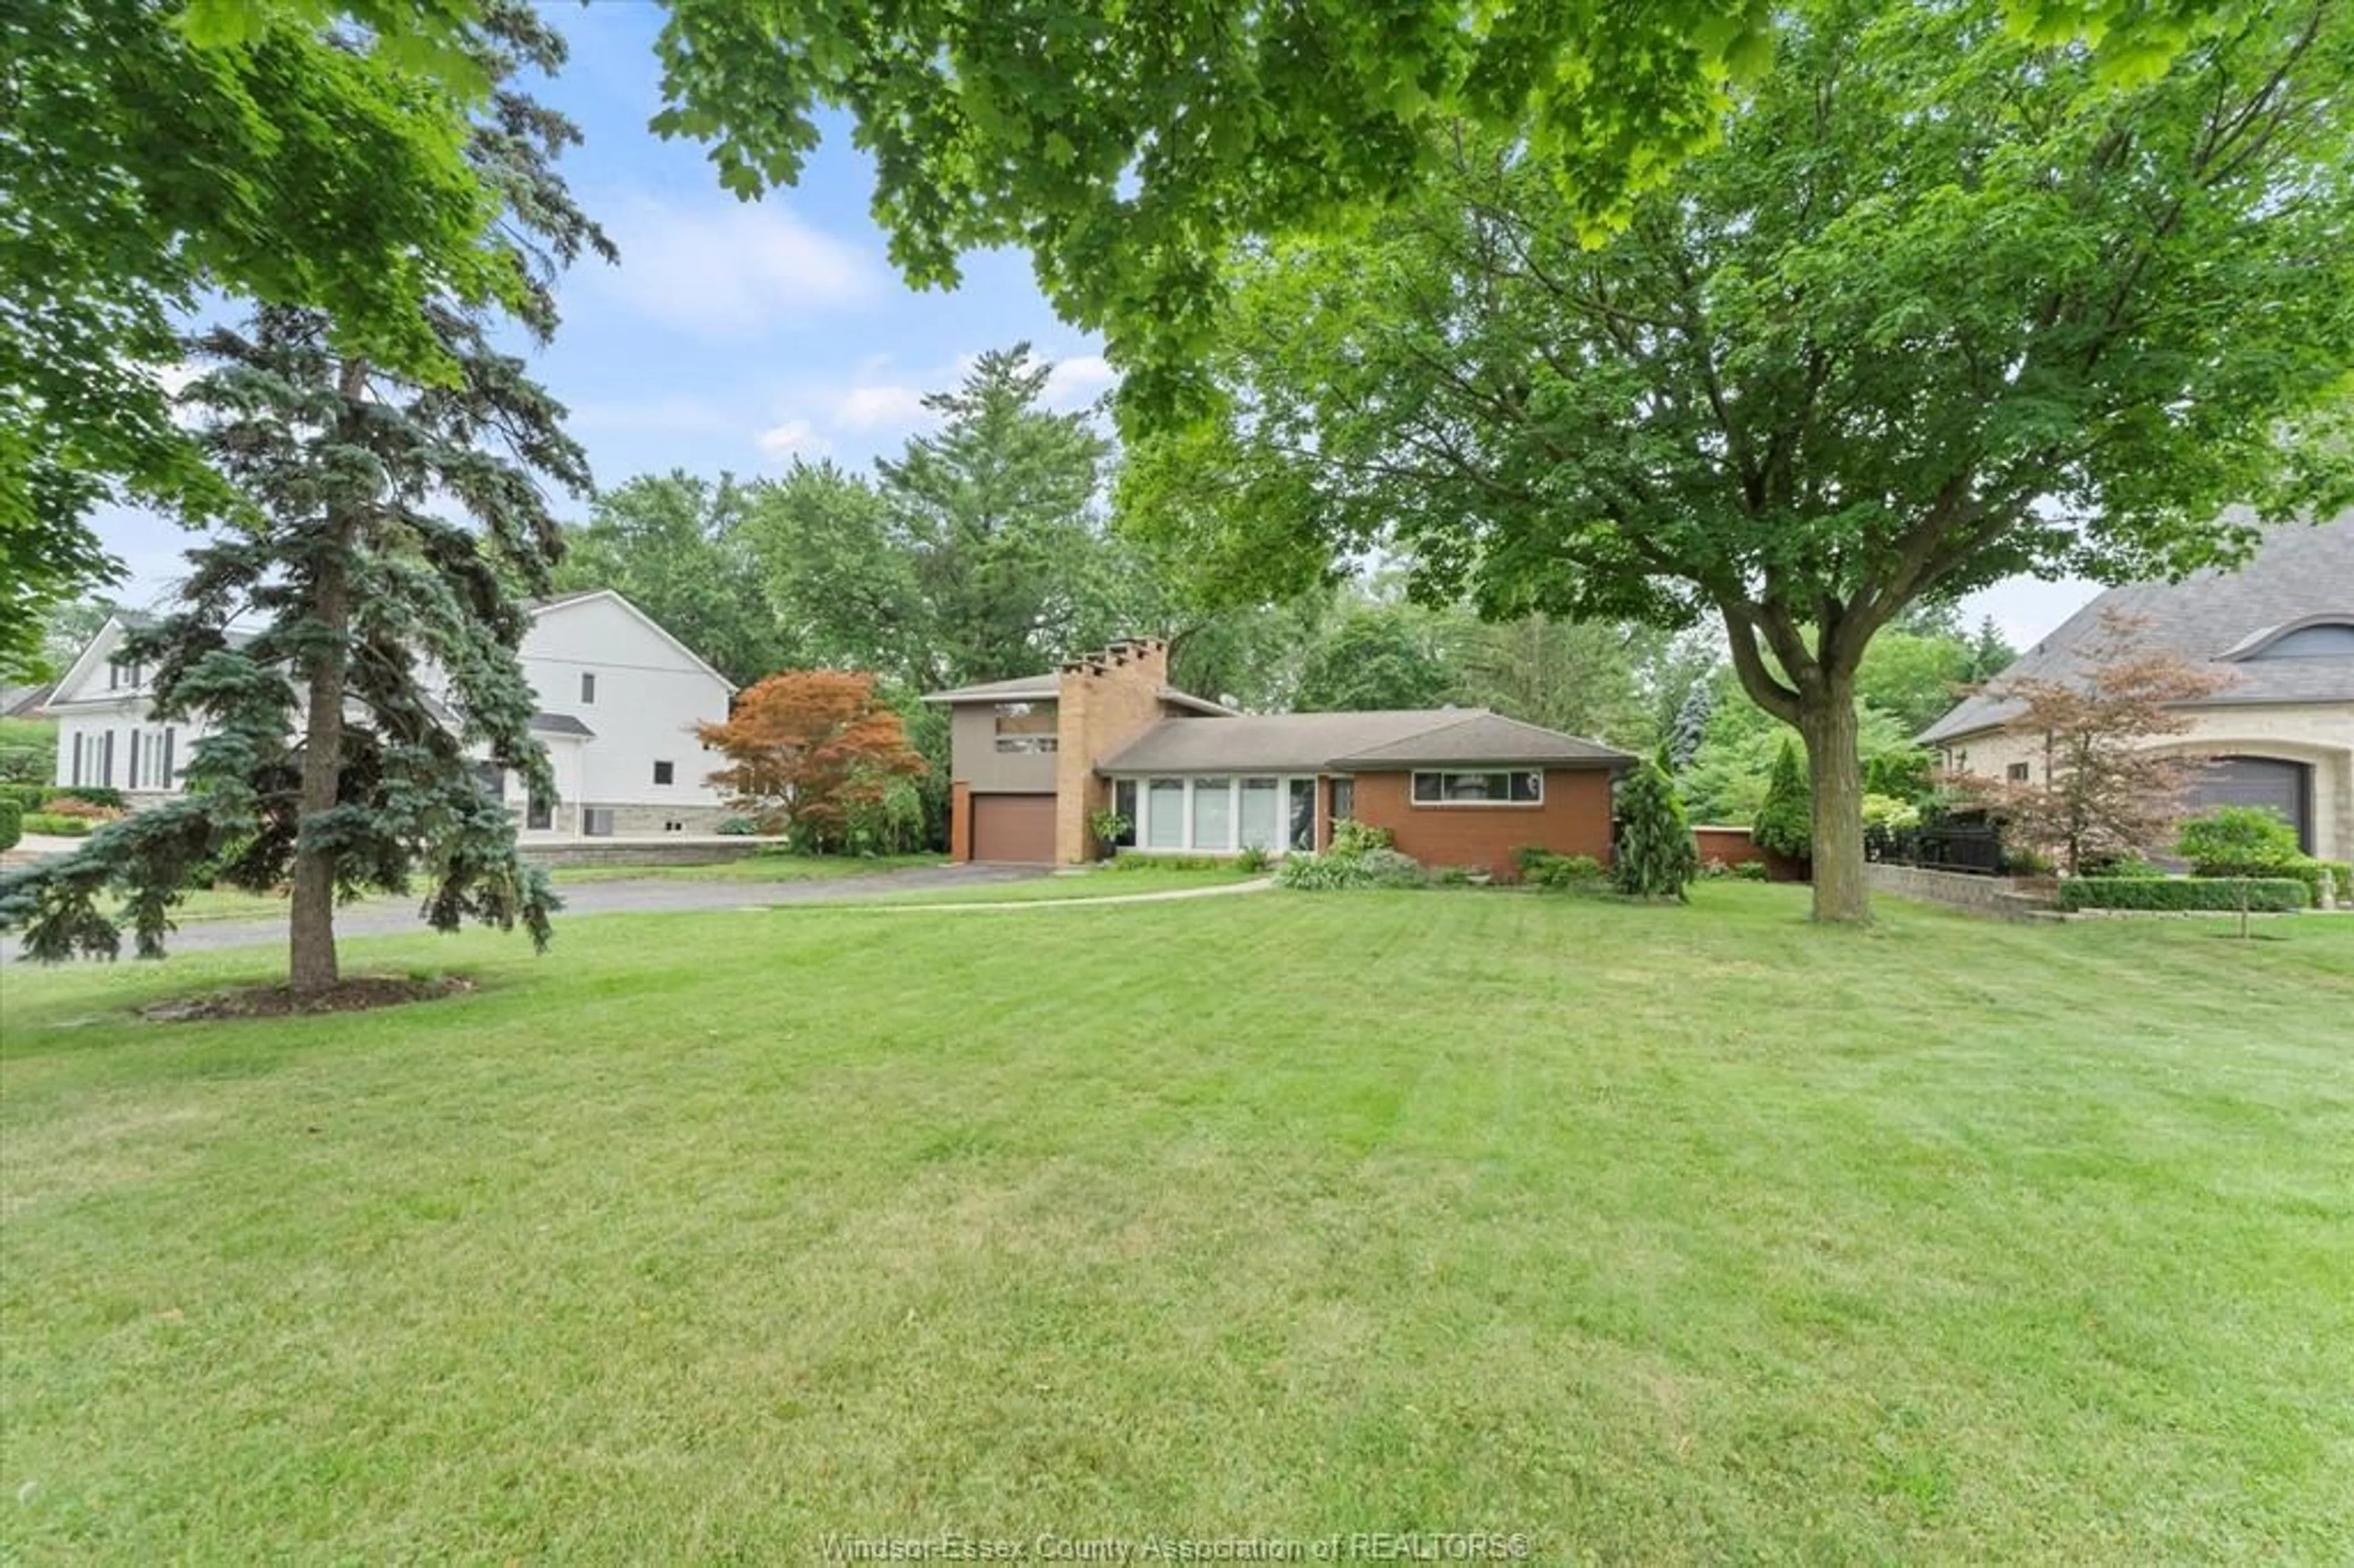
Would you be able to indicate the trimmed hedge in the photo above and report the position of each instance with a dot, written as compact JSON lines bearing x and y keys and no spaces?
{"x":96,"y":794}
{"x":25,"y":797}
{"x":2212,"y":894}
{"x":49,"y":822}
{"x":11,"y":824}
{"x":1561,"y":873}
{"x":2315,"y":873}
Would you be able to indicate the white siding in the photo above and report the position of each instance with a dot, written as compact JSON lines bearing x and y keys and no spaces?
{"x":649,"y":696}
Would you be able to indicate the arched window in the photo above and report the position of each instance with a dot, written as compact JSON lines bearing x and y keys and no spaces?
{"x":2316,"y":637}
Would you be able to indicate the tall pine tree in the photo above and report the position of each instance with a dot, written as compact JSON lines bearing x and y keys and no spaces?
{"x":1785,"y":823}
{"x":1655,"y":856}
{"x":347,"y":727}
{"x":998,"y":511}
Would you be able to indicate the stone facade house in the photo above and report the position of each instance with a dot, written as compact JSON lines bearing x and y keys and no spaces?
{"x":1034,"y":758}
{"x":2280,"y":734}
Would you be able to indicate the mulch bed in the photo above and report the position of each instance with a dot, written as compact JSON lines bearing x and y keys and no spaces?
{"x":356,"y":995}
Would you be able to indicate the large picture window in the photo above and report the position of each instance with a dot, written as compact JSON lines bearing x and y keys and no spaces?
{"x":1164,"y":815}
{"x":1026,"y":727}
{"x":1517,"y":787}
{"x":1213,"y":814}
{"x":1219,"y":814}
{"x":1262,"y":813}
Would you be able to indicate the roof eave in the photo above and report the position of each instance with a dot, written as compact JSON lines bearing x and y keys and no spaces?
{"x":1019,"y":694}
{"x":1199,"y":704}
{"x":1616,"y":763}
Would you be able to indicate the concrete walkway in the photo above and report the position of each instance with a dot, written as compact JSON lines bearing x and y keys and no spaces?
{"x":635,"y":895}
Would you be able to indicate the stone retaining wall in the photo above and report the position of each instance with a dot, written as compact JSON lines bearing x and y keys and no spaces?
{"x":672,"y":851}
{"x":2000,"y":897}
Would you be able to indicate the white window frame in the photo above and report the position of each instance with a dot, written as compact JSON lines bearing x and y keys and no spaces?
{"x":1413,"y":794}
{"x":1026,"y":742}
{"x":1186,"y":843}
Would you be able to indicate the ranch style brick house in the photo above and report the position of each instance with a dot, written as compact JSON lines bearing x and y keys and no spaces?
{"x":1031,"y":758}
{"x":619,"y":699}
{"x":2279,"y":736}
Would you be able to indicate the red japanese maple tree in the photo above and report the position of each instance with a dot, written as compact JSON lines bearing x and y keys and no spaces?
{"x":808,"y":751}
{"x":2111,"y":786}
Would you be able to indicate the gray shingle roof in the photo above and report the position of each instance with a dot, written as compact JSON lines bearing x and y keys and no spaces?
{"x":1488,"y":738}
{"x":549,"y":602}
{"x":21,"y":702}
{"x":1020,"y":688}
{"x":1309,"y":743}
{"x":141,"y":620}
{"x":2300,"y":572}
{"x":560,"y":724}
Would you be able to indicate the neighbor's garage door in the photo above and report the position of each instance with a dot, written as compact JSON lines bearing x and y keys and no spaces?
{"x":2277,"y":786}
{"x":1013,"y":827}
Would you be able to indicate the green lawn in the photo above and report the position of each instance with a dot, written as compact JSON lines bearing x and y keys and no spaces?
{"x":1664,"y":1235}
{"x":1087,"y":885}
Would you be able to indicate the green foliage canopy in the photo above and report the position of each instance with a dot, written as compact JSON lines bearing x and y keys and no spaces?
{"x":1376,"y":657}
{"x":388,"y":520}
{"x":1133,"y":150}
{"x":1939,"y":310}
{"x":677,"y":548}
{"x":147,"y":155}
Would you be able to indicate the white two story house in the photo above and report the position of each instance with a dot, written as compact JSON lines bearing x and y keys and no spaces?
{"x":619,"y":699}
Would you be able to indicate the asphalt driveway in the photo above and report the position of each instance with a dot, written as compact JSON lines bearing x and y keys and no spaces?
{"x":649,"y":896}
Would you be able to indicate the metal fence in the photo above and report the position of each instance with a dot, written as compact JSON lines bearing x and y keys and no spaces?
{"x":1974,"y":847}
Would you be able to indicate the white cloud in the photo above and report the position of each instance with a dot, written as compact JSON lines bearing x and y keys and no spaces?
{"x":173,"y":378}
{"x":1079,"y":380}
{"x":672,"y":414}
{"x":793,"y":437}
{"x":880,"y":402}
{"x":722,"y":268}
{"x":879,"y":406}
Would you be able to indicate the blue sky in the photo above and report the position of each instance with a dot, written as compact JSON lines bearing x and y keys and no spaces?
{"x":735,"y":336}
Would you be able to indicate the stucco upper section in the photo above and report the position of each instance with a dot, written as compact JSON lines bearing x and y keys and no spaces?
{"x":975,"y":762}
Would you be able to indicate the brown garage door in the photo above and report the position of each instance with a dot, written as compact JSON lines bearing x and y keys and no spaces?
{"x":1013,"y":827}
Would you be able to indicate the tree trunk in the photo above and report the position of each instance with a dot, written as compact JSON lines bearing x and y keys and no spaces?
{"x":310,"y":926}
{"x":1827,"y":719}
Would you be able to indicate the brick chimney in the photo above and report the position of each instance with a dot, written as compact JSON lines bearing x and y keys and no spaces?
{"x":1104,"y":700}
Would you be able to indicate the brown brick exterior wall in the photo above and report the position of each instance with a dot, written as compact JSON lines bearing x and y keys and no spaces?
{"x":1734,"y":846}
{"x":1107,"y":699}
{"x":1573,"y":820}
{"x":960,"y":821}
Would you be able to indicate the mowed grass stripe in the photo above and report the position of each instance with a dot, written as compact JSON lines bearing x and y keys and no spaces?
{"x":1667,"y":1235}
